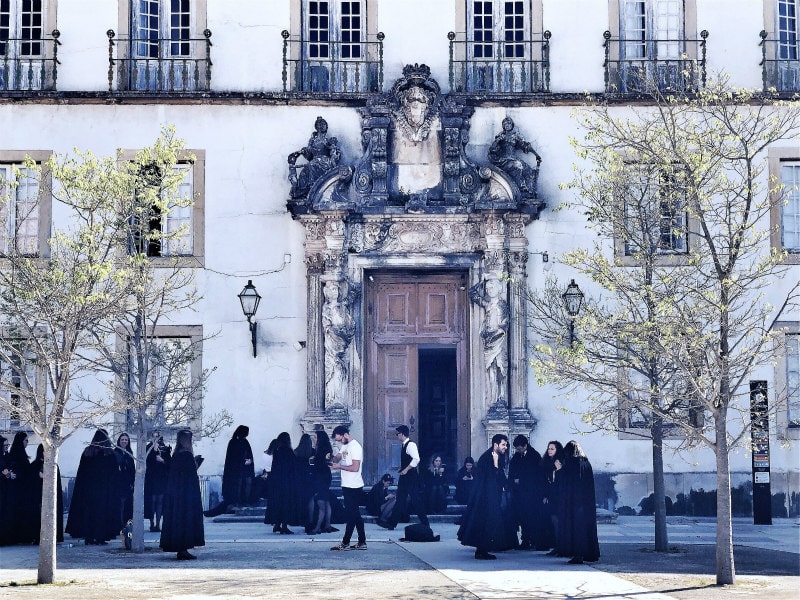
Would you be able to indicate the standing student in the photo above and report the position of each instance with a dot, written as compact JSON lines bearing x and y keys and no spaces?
{"x":409,"y":486}
{"x":577,"y":516}
{"x":183,"y":504}
{"x":126,"y":476}
{"x":348,"y":461}
{"x":38,"y":468}
{"x":487,"y":524}
{"x":155,"y":480}
{"x":321,"y":485}
{"x":526,"y":492}
{"x":283,"y":505}
{"x":551,"y":463}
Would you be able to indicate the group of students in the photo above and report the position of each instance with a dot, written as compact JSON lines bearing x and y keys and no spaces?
{"x":21,"y":493}
{"x":548,"y":501}
{"x":102,"y":495}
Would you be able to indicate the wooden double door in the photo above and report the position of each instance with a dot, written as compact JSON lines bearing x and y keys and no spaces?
{"x":416,"y":367}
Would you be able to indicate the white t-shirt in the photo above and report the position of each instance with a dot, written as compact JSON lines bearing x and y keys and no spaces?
{"x":351,"y":452}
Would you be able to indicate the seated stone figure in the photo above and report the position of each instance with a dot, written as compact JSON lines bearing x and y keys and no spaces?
{"x":321,"y":152}
{"x":502,"y":154}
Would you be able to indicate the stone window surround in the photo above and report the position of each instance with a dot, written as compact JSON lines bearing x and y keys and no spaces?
{"x":49,"y":23}
{"x":783,"y":431}
{"x":197,"y":259}
{"x":774,"y":158}
{"x":41,"y":389}
{"x":689,"y":25}
{"x":199,"y":22}
{"x":195,"y":334}
{"x":45,"y":192}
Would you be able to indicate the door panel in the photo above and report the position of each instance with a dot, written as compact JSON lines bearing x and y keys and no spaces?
{"x":437,"y":309}
{"x":396,"y":398}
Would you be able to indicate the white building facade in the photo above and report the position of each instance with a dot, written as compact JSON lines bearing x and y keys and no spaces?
{"x":380,"y":263}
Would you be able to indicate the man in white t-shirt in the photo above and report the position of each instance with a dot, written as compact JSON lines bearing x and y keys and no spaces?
{"x":348,"y":462}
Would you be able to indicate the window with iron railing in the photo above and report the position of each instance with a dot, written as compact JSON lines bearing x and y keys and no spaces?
{"x":780,"y":52}
{"x":19,"y":376}
{"x":19,"y":212}
{"x":28,"y":59}
{"x":334,"y":52}
{"x":652,"y":51}
{"x":499,"y":53}
{"x":160,"y":52}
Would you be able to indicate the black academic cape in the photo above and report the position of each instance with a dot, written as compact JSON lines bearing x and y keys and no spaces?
{"x":436,"y":490}
{"x":125,"y":479}
{"x":283,"y":504}
{"x":183,"y":506}
{"x":155,"y":477}
{"x":464,"y":487}
{"x":38,"y":467}
{"x":6,"y":517}
{"x":19,"y":495}
{"x":94,"y":508}
{"x":577,"y":520}
{"x":235,"y":472}
{"x":487,"y":523}
{"x":526,"y":496}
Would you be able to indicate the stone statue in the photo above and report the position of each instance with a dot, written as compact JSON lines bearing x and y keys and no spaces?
{"x":501,"y":154}
{"x":488,"y":294}
{"x":339,"y":328}
{"x":322,"y":154}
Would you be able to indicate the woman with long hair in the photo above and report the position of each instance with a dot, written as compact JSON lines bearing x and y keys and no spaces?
{"x":183,"y":504}
{"x":282,"y":505}
{"x":155,"y":479}
{"x":94,"y":508}
{"x":577,"y":525}
{"x":320,"y":486}
{"x":303,"y":458}
{"x":465,"y":480}
{"x":20,"y":494}
{"x":434,"y":481}
{"x":551,"y":463}
{"x":126,"y":476}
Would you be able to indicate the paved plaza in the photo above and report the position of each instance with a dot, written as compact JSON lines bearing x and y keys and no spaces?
{"x":247,"y":560}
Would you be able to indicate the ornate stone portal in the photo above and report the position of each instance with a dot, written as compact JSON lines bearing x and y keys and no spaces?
{"x":415,"y":200}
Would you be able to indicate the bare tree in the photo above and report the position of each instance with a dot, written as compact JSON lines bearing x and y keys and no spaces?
{"x":680,"y":197}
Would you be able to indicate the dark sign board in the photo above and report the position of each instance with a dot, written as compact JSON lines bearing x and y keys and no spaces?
{"x":759,"y":420}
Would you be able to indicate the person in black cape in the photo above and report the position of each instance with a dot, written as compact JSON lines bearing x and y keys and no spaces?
{"x":237,"y":473}
{"x":380,"y":501}
{"x":304,"y":457}
{"x":126,"y":476}
{"x":577,"y":520}
{"x":38,"y":468}
{"x":183,"y":504}
{"x":487,"y":523}
{"x":6,"y":475}
{"x":435,"y":486}
{"x":526,"y":492}
{"x":282,"y":505}
{"x":94,"y":508}
{"x":20,"y":493}
{"x":321,"y":479}
{"x":465,"y":481}
{"x":155,"y":479}
{"x":551,"y":464}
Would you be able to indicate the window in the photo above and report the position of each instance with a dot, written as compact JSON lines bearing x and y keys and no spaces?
{"x":174,"y":384}
{"x":26,"y":204}
{"x":652,"y":47}
{"x":787,"y":379}
{"x":26,"y":57}
{"x":500,"y":52}
{"x":656,"y":219}
{"x":165,"y":51}
{"x":784,"y":170}
{"x":176,"y":233}
{"x":18,"y":377}
{"x":332,"y":51}
{"x":787,"y":29}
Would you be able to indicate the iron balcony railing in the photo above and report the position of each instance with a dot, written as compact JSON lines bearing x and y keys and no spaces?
{"x":332,"y":66}
{"x":500,"y":67}
{"x":780,"y":64}
{"x":645,"y":66}
{"x":29,"y":64}
{"x":158,"y":64}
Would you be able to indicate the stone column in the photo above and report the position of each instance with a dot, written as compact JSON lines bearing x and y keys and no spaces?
{"x":315,"y":344}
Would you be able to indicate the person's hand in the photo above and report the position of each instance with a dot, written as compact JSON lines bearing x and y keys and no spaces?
{"x":557,"y":464}
{"x":158,"y":458}
{"x":247,"y":461}
{"x":544,"y":500}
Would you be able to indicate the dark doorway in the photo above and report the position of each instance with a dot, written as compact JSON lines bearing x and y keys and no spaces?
{"x":438,"y":405}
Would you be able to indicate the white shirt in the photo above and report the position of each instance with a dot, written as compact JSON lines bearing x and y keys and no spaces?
{"x":413,"y":452}
{"x":351,"y":452}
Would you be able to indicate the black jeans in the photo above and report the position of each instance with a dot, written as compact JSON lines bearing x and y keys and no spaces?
{"x":409,"y":488}
{"x":352,"y":499}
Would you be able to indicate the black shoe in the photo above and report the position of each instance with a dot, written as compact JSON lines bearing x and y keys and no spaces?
{"x":330,"y":530}
{"x":286,"y":531}
{"x":184,"y":555}
{"x":526,"y":545}
{"x":484,"y":556}
{"x":575,"y":560}
{"x":276,"y":529}
{"x":552,"y":552}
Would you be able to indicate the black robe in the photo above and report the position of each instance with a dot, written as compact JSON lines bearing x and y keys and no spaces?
{"x":20,"y":498}
{"x":283,"y":504}
{"x":526,"y":496}
{"x":577,"y":519}
{"x":38,"y":467}
{"x":155,"y":477}
{"x":436,"y":490}
{"x":6,"y":518}
{"x":125,"y":478}
{"x":464,"y":487}
{"x":487,"y":523}
{"x":183,"y":506}
{"x":94,"y":508}
{"x":375,"y":499}
{"x":237,"y":476}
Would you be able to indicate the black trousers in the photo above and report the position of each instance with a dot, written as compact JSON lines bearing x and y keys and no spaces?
{"x":352,"y":499}
{"x":409,"y":497}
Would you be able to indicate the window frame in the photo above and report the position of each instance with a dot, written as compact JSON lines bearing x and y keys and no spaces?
{"x":776,"y":158}
{"x":785,"y":430}
{"x":45,"y":197}
{"x":193,"y":333}
{"x":39,"y":380}
{"x":197,"y":257}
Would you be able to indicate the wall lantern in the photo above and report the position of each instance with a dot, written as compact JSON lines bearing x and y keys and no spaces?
{"x":573,"y":300}
{"x":250,"y":299}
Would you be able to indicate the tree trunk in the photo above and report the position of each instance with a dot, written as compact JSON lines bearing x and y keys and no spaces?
{"x":726,"y":573}
{"x":659,"y":497}
{"x":137,"y":543}
{"x":47,"y":535}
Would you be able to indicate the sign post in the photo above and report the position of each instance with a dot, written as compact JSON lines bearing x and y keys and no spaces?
{"x":762,"y":494}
